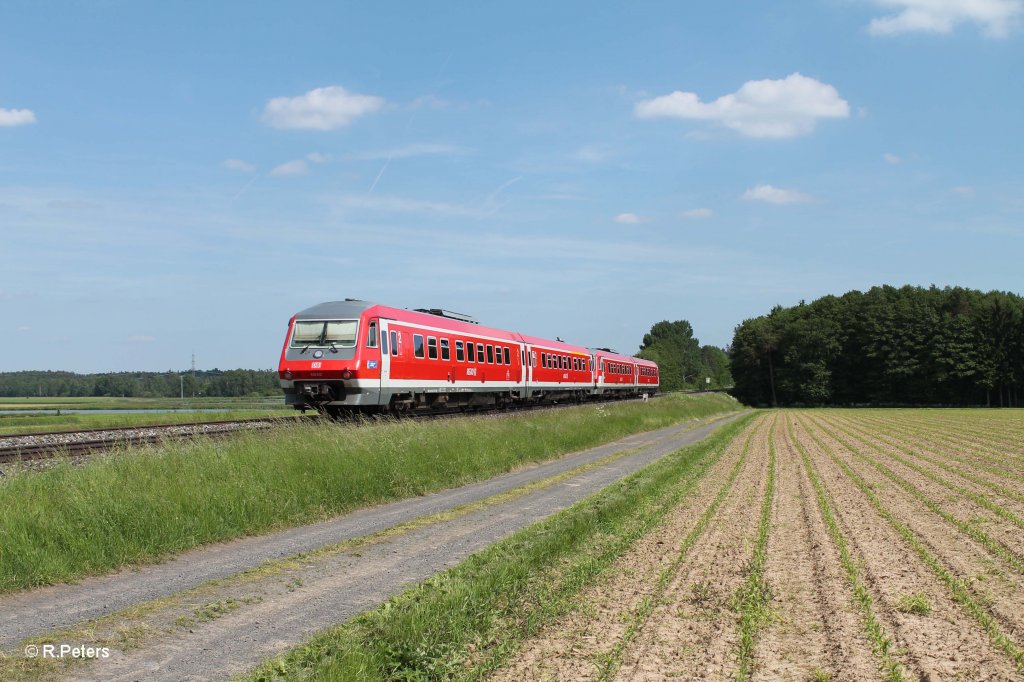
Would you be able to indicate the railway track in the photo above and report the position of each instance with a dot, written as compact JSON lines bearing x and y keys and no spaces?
{"x":41,"y":446}
{"x":35,"y":446}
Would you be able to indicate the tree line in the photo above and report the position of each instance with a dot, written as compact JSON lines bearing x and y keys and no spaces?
{"x":886,"y":346}
{"x":682,"y":361}
{"x":217,"y":383}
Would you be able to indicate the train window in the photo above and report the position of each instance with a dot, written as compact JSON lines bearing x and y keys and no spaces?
{"x":480,"y":356}
{"x":460,"y":351}
{"x":544,"y":360}
{"x":371,"y":335}
{"x":342,"y":333}
{"x":325,"y":333}
{"x":505,"y":352}
{"x":565,"y":362}
{"x":394,"y":343}
{"x":490,"y":354}
{"x":432,"y":348}
{"x":497,"y":355}
{"x":383,"y":342}
{"x":445,"y":352}
{"x":417,"y":345}
{"x":522,"y":357}
{"x":470,"y":352}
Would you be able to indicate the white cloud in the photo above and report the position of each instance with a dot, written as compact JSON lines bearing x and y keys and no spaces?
{"x":774,"y":195}
{"x":966,"y":191}
{"x":630,"y":219}
{"x":317,"y":157}
{"x":141,"y":339}
{"x":892,"y":158}
{"x":320,"y":109}
{"x":393,"y":204}
{"x":239,"y":165}
{"x":16,"y":117}
{"x":766,"y":108}
{"x":410,"y":150}
{"x":297,"y":167}
{"x":24,"y":329}
{"x":996,"y":17}
{"x":73,"y":205}
{"x":591,"y":154}
{"x":697,"y":213}
{"x":429,"y":102}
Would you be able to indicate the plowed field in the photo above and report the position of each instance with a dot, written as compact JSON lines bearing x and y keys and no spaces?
{"x":824,"y":545}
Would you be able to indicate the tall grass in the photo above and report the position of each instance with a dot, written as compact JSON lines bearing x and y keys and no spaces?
{"x":70,"y":521}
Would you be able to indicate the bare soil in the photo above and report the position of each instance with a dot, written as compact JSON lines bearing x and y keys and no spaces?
{"x":575,"y":647}
{"x":817,"y":630}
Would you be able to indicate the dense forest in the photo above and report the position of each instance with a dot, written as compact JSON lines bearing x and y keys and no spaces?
{"x":217,"y":383}
{"x":888,"y":346}
{"x":682,"y":361}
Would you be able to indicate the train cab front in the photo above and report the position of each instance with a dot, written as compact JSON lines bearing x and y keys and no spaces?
{"x":320,"y":365}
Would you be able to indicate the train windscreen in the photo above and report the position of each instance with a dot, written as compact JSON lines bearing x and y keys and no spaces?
{"x":340,"y":333}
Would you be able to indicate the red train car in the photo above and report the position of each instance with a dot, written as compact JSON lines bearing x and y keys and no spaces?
{"x":356,"y":355}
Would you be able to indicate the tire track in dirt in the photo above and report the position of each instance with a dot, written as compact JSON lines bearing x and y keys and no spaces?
{"x":693,"y":630}
{"x":817,"y":628}
{"x":948,"y":641}
{"x":574,"y":646}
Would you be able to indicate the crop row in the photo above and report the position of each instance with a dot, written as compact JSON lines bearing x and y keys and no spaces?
{"x":641,"y":614}
{"x":881,"y":641}
{"x":958,"y":587}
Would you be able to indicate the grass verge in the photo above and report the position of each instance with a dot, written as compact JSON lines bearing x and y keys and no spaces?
{"x":467,"y":620}
{"x":70,"y":521}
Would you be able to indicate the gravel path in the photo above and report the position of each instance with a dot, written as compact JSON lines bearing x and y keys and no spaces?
{"x":334,"y":587}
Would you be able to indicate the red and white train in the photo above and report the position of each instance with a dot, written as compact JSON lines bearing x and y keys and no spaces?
{"x":354,"y":355}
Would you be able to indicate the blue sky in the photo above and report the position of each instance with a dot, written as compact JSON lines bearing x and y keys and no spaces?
{"x":182,"y":177}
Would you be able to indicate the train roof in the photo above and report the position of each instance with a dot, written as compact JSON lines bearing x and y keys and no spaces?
{"x":348,"y":308}
{"x":554,"y":345}
{"x":354,"y":308}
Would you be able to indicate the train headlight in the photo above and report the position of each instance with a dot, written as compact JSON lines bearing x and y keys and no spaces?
{"x":287,"y":375}
{"x":347,"y":374}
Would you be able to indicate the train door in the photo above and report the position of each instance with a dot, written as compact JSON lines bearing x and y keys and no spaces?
{"x":374,"y":357}
{"x":385,"y":354}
